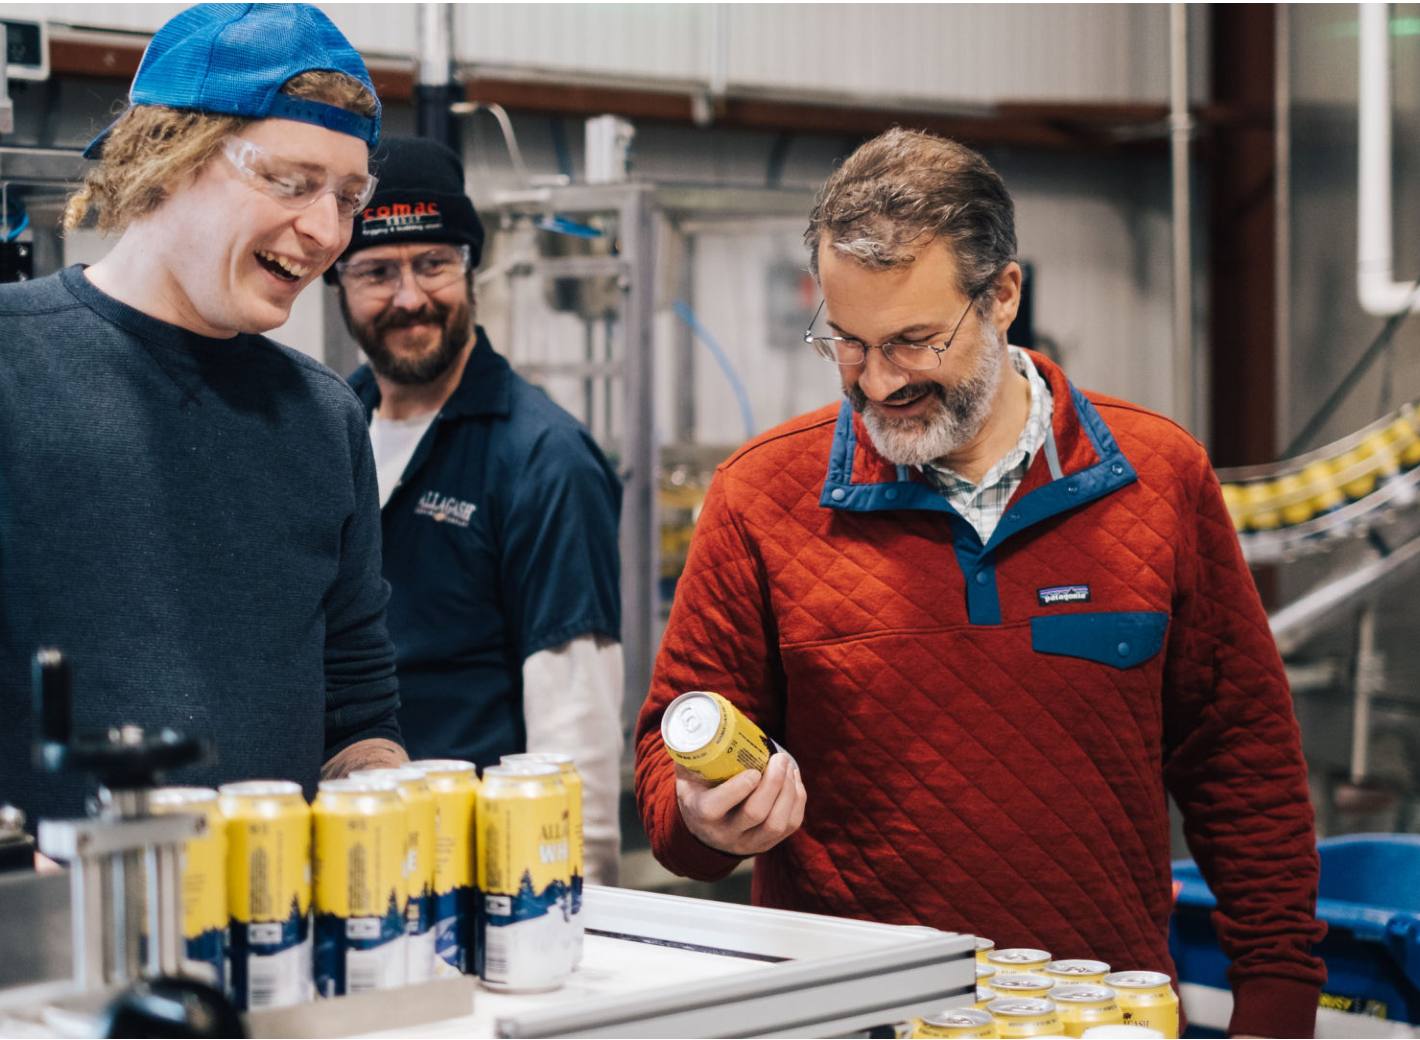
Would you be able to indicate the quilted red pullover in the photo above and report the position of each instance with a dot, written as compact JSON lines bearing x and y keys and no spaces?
{"x":987,"y":733}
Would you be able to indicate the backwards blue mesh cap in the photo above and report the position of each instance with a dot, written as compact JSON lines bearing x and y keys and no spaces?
{"x":233,"y":59}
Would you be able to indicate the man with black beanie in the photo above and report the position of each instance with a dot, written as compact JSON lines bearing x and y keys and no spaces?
{"x":499,"y":511}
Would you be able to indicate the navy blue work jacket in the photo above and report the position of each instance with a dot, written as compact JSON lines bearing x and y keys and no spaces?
{"x":500,"y":540}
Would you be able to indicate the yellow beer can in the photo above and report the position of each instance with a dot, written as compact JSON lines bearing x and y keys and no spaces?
{"x":955,"y":1022}
{"x":1077,"y":971}
{"x":361,"y":837}
{"x":1018,"y":959}
{"x":419,"y":816}
{"x":1358,"y":470}
{"x":1260,"y":506}
{"x":1320,"y":480}
{"x":1147,"y":999}
{"x":1119,"y":1032}
{"x":1404,"y":437}
{"x":572,"y":780}
{"x":1024,"y":1016}
{"x":708,"y":735}
{"x":983,"y":948}
{"x":204,"y":882}
{"x":268,"y":892}
{"x":1085,"y":1005}
{"x":524,"y":913}
{"x":1294,"y":499}
{"x":454,"y":785}
{"x":1022,"y":984}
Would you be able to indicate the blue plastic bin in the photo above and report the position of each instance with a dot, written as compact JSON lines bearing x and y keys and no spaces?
{"x":1370,"y":898}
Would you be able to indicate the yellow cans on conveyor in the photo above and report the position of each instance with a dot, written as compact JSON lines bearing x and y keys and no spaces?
{"x":524,"y":921}
{"x":708,"y":735}
{"x":454,"y":785}
{"x":419,"y":817}
{"x":1084,"y":1005}
{"x":1024,"y":1016}
{"x":955,"y":1022}
{"x":1147,"y":999}
{"x":204,"y":882}
{"x":572,"y":780}
{"x":268,"y":892}
{"x":361,"y":837}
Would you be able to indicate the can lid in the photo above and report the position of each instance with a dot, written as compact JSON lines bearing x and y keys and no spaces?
{"x":1021,"y":980}
{"x":260,"y":788}
{"x":1081,"y":993}
{"x":959,"y":1017}
{"x":443,"y":765}
{"x":517,"y":769}
{"x":985,"y":944}
{"x":1077,"y":967}
{"x":359,"y":785}
{"x":399,"y":774}
{"x":182,"y":795}
{"x":984,"y":971}
{"x":1021,"y":1006}
{"x":1019,"y":955}
{"x":690,"y":722}
{"x":555,"y":758}
{"x":1137,"y":980}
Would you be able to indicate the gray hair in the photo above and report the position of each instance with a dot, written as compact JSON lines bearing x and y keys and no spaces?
{"x":906,"y":188}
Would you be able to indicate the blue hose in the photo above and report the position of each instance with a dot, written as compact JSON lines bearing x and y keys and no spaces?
{"x":685,"y":314}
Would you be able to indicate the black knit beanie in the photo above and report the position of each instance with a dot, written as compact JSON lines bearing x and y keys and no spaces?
{"x":420,"y":198}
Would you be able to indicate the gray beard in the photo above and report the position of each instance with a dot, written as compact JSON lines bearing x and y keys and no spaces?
{"x":958,"y":413}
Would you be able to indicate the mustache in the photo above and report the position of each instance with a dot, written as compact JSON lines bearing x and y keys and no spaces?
{"x":859,"y":400}
{"x":403,"y":319}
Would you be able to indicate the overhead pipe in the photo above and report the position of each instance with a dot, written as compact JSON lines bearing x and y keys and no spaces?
{"x":435,"y":88}
{"x":1376,"y":287}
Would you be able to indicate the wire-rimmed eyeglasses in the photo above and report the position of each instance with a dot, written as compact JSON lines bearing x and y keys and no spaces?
{"x":849,"y":353}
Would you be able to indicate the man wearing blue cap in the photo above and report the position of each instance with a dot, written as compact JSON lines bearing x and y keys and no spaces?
{"x":500,"y":512}
{"x":187,"y":509}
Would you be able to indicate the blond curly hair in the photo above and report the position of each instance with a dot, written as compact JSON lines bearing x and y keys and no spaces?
{"x":152,"y":147}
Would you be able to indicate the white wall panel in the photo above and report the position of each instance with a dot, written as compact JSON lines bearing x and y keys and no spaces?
{"x":930,"y":54}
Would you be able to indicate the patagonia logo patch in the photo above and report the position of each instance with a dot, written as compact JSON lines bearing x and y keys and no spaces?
{"x":445,"y":509}
{"x":1063,"y":594}
{"x":400,"y":216}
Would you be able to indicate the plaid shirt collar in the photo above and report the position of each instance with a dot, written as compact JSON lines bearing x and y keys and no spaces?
{"x":983,"y":504}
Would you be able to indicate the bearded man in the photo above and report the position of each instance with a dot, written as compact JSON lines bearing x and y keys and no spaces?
{"x":996,"y":620}
{"x":499,"y":511}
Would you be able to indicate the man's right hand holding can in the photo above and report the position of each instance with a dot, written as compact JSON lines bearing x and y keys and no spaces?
{"x":747,"y":814}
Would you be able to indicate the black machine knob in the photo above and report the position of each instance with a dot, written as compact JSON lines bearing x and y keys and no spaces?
{"x":121,"y":758}
{"x":171,"y":1007}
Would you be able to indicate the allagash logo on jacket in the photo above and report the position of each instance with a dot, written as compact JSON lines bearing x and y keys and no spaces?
{"x":445,"y":509}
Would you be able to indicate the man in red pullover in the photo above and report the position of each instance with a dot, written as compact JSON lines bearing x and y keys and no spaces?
{"x":997,"y":621}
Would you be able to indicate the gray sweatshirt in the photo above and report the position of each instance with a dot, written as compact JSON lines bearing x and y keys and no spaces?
{"x":195,"y":523}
